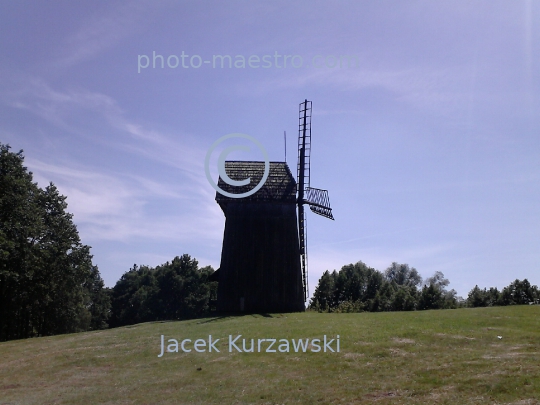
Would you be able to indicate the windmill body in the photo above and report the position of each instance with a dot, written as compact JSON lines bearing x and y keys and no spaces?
{"x":260,"y":265}
{"x":264,"y":255}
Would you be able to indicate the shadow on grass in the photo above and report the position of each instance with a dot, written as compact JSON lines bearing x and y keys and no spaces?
{"x":206,"y":319}
{"x":231,"y":315}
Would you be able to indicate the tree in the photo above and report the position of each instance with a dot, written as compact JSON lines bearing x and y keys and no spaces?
{"x":519,"y":293}
{"x":133,"y":298}
{"x":405,"y":298}
{"x":431,"y":298}
{"x":438,"y":281}
{"x":48,"y":284}
{"x":477,"y":297}
{"x":442,"y":298}
{"x":375,"y":281}
{"x":356,"y":282}
{"x":98,"y":301}
{"x":384,"y":297}
{"x":175,"y":290}
{"x":403,"y":275}
{"x":493,"y":297}
{"x":19,"y":226}
{"x":483,"y":298}
{"x":184,"y":291}
{"x":322,"y":298}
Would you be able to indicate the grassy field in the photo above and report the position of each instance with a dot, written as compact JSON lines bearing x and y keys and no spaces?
{"x":428,"y":357}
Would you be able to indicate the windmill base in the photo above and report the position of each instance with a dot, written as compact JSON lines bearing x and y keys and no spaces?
{"x":260,"y":265}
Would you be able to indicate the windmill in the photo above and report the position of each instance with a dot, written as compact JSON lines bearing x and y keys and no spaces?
{"x":317,"y":199}
{"x":264,"y":257}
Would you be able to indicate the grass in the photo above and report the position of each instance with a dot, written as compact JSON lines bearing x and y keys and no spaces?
{"x":427,"y":357}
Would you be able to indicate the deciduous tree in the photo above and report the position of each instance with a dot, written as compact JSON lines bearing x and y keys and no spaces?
{"x":48,"y":284}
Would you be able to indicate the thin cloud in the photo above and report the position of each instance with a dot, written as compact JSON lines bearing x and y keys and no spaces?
{"x":100,"y":33}
{"x":61,"y":108}
{"x":116,"y":206}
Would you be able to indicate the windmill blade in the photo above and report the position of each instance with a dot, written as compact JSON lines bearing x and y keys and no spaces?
{"x":302,"y":233}
{"x":304,"y":152}
{"x":304,"y":146}
{"x":319,"y":202}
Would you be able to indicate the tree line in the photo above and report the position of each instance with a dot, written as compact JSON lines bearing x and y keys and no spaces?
{"x":175,"y":290}
{"x":358,"y":288}
{"x":49,"y":285}
{"x":517,"y":293}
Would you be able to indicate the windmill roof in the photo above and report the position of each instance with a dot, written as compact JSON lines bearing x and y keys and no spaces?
{"x":280,"y":185}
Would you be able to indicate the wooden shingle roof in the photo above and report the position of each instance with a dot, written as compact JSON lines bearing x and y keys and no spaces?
{"x":280,"y":185}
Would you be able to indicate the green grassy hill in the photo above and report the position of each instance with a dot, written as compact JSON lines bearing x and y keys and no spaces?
{"x":427,"y":357}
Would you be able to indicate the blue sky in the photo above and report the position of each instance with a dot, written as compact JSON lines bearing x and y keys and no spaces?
{"x":429,"y":145}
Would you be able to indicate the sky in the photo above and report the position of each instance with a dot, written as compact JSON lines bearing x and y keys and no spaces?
{"x":425,"y":126}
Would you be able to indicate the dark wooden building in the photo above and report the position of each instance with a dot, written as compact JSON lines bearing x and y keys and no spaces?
{"x":260,"y":260}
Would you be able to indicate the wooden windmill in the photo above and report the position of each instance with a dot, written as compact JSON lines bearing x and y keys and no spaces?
{"x":264,"y":257}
